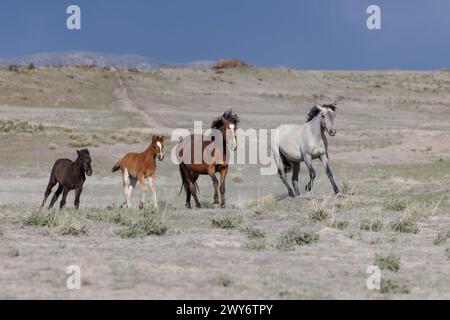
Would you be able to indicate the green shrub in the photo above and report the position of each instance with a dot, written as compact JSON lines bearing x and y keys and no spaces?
{"x":294,"y":236}
{"x":227,"y":222}
{"x":13,"y":253}
{"x":441,"y":238}
{"x":340,"y":224}
{"x":318,"y":215}
{"x":253,"y":233}
{"x":65,"y":222}
{"x":142,"y":228}
{"x":347,"y":188}
{"x":140,"y":223}
{"x":224,"y":280}
{"x":405,"y":225}
{"x":14,"y":126}
{"x":396,"y":205}
{"x":72,"y":229}
{"x":40,"y":218}
{"x":377,"y":225}
{"x":369,"y":225}
{"x":389,"y":262}
{"x":394,"y":286}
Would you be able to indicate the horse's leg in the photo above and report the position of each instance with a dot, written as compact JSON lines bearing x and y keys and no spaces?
{"x":192,"y":178}
{"x":64,"y":196}
{"x":283,"y":177}
{"x":212,"y":174}
{"x":77,"y":196}
{"x":295,"y":172}
{"x":131,"y":187}
{"x":188,"y":197}
{"x":223,"y":174}
{"x":144,"y":191}
{"x":152,"y":183}
{"x":55,"y":196}
{"x":185,"y":183}
{"x":126,"y":188}
{"x":324,"y":159}
{"x":280,"y":166}
{"x":312,"y":174}
{"x":51,"y":184}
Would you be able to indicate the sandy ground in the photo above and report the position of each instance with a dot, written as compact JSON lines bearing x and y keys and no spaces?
{"x":392,"y":144}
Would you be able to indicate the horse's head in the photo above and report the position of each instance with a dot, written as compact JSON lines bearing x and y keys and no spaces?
{"x":227,"y":124}
{"x":85,"y":159}
{"x":158,"y":146}
{"x":327,"y":113}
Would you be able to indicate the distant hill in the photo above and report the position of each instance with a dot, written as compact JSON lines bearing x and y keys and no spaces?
{"x":94,"y":58}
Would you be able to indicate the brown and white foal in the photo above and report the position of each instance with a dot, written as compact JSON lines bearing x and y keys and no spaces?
{"x":140,"y":166}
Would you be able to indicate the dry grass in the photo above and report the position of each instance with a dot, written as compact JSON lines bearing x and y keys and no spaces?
{"x":395,"y":188}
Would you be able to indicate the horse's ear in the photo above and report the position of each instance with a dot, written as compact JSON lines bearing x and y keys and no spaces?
{"x":154,"y":137}
{"x":78,"y":151}
{"x":162,"y":137}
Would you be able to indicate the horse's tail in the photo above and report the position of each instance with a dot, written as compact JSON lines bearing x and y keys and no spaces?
{"x":184,"y":180}
{"x":116,"y":167}
{"x":278,"y":155}
{"x":286,"y":163}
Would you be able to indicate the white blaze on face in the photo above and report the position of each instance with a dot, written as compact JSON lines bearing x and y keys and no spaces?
{"x":161,"y":151}
{"x":231,"y":126}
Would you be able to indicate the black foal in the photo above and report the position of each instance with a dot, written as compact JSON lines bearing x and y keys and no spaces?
{"x":70,"y":175}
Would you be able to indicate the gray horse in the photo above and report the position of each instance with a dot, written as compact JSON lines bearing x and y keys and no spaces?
{"x":303,"y":143}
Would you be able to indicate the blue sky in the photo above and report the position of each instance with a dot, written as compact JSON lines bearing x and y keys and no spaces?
{"x":306,"y":34}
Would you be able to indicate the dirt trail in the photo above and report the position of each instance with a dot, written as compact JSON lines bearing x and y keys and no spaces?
{"x":127,"y":104}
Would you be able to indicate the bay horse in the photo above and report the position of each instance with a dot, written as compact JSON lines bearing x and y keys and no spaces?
{"x":207,"y":155}
{"x":303,"y":143}
{"x":140,"y":166}
{"x":70,"y":175}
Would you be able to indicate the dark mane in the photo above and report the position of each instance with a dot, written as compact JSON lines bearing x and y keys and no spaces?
{"x":83,"y":151}
{"x":312,"y":113}
{"x":329,"y":106}
{"x":229,"y":116}
{"x":315,"y":111}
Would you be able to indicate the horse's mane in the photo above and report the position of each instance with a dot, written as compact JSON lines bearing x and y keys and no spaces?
{"x":229,"y":116}
{"x":315,"y":111}
{"x":83,"y":151}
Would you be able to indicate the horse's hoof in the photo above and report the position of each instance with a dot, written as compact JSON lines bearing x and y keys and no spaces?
{"x":222,"y":206}
{"x":188,"y":206}
{"x":141,"y":206}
